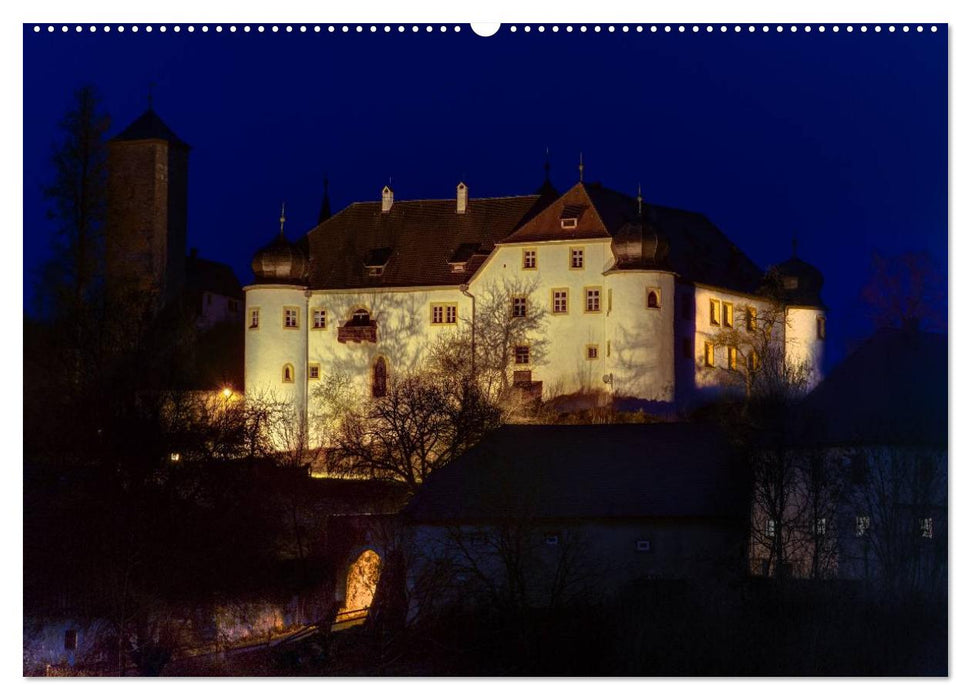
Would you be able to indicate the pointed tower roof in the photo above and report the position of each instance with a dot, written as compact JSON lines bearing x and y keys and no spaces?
{"x":149,"y":126}
{"x":325,"y":212}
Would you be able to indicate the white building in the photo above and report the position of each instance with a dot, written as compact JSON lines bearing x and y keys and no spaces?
{"x":642,"y":303}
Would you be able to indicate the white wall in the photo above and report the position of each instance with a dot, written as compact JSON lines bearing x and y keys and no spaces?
{"x":271,"y":346}
{"x":802,"y":343}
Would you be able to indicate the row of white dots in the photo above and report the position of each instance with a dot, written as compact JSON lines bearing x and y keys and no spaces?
{"x":513,"y":28}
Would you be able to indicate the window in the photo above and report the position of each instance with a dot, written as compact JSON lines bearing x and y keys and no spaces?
{"x":291,"y":317}
{"x":592,"y":295}
{"x":320,"y":318}
{"x":361,"y":317}
{"x":522,"y":354}
{"x":862,"y":525}
{"x":477,"y":539}
{"x":576,"y":258}
{"x":70,"y":640}
{"x":686,"y":350}
{"x":715,"y":312}
{"x":819,"y":528}
{"x":643,"y":546}
{"x":529,"y":258}
{"x":653,"y":298}
{"x":232,"y":305}
{"x":709,"y":354}
{"x":728,"y":314}
{"x":821,"y":327}
{"x":561,"y":301}
{"x":593,"y":351}
{"x":926,"y":528}
{"x":789,"y":282}
{"x":687,"y":308}
{"x":770,"y":528}
{"x":444,"y":313}
{"x":569,"y":222}
{"x":733,"y":358}
{"x":254,"y":318}
{"x":750,"y":318}
{"x":753,"y":360}
{"x":379,"y":378}
{"x":288,"y":374}
{"x":551,"y":538}
{"x":313,"y":370}
{"x":519,"y":307}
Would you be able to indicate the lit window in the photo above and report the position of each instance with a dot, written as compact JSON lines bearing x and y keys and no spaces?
{"x":927,"y":528}
{"x":522,"y":354}
{"x":254,"y":318}
{"x":709,"y":354}
{"x":313,"y":371}
{"x":732,"y":358}
{"x":320,"y":318}
{"x":593,"y":351}
{"x":529,"y":259}
{"x":576,"y":258}
{"x":820,"y":527}
{"x":519,"y":307}
{"x":570,"y":222}
{"x":750,"y":318}
{"x":728,"y":314}
{"x":753,"y":360}
{"x":770,"y":528}
{"x":561,"y":301}
{"x":592,"y":295}
{"x":862,"y":525}
{"x":288,"y":374}
{"x":715,"y":312}
{"x":654,"y":298}
{"x":291,"y":317}
{"x":444,"y":313}
{"x":820,"y":327}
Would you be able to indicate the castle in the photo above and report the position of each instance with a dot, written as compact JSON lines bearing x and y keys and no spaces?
{"x":638,"y":301}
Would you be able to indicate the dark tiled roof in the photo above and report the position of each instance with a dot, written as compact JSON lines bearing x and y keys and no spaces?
{"x":203,"y":275}
{"x":587,"y":471}
{"x":809,"y":283}
{"x":699,"y":252}
{"x":892,"y":390}
{"x":421,"y":234}
{"x":149,"y":126}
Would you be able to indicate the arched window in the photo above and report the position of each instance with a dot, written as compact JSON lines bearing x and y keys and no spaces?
{"x":288,"y":374}
{"x":653,"y":299}
{"x":361,"y":317}
{"x":379,"y":378}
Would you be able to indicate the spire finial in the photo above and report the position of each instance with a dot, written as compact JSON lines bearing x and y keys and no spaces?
{"x":546,"y":164}
{"x":151,"y":88}
{"x":640,"y":200}
{"x":795,"y":245}
{"x":283,"y":217}
{"x":581,"y":166}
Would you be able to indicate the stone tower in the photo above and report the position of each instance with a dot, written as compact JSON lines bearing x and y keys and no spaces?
{"x":148,"y":178}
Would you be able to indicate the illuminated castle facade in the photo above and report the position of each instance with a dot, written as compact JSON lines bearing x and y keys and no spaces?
{"x":639,"y":301}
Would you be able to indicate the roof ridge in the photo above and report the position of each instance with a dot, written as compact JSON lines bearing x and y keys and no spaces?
{"x":448,"y":199}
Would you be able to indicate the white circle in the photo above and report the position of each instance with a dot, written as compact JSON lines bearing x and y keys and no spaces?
{"x":920,"y":29}
{"x":485,"y":29}
{"x":933,"y":29}
{"x":135,"y":28}
{"x":526,"y":29}
{"x":120,"y":29}
{"x":906,"y":28}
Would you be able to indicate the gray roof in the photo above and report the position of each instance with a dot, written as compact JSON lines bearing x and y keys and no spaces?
{"x":661,"y":470}
{"x":892,"y":390}
{"x":149,"y":126}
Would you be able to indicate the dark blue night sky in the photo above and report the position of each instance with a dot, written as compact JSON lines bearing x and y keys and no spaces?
{"x":840,"y":139}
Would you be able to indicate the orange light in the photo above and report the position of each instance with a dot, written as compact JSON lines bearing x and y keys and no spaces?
{"x":227,"y":392}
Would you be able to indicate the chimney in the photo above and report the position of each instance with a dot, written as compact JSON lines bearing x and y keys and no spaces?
{"x":461,"y":198}
{"x":387,"y":199}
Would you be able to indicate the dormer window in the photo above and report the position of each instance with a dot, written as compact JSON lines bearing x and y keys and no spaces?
{"x":790,"y":282}
{"x":570,"y":216}
{"x":375,"y":261}
{"x":457,"y":266}
{"x":569,"y":223}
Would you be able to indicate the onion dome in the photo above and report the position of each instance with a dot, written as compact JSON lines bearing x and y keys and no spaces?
{"x":796,"y":282}
{"x":281,"y":262}
{"x":638,"y":243}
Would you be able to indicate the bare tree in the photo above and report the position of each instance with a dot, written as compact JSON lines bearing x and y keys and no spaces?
{"x":421,"y":424}
{"x":906,"y":291}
